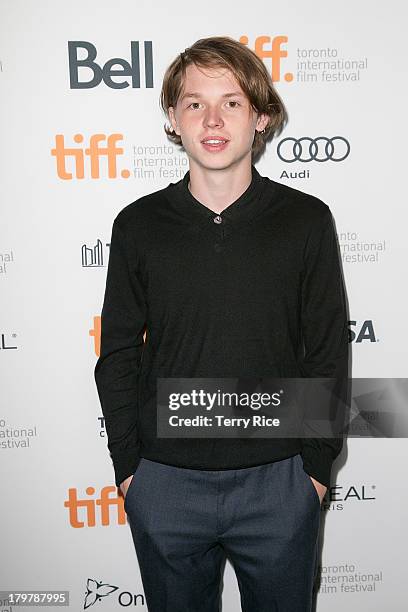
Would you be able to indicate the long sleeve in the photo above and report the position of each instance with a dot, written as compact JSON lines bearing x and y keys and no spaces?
{"x":116,"y":372}
{"x":325,"y":334}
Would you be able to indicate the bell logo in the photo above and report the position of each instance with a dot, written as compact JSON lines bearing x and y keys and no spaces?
{"x":275,"y":53}
{"x":83,"y":512}
{"x":106,"y":73}
{"x":5,"y":344}
{"x":94,"y":153}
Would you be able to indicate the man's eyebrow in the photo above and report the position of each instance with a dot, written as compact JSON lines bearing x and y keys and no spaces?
{"x":195,"y":94}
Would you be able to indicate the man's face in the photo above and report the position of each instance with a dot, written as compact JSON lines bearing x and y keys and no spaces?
{"x":213,"y":106}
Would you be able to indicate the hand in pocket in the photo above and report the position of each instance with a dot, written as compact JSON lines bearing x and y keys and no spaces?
{"x":124,"y":486}
{"x":320,"y":488}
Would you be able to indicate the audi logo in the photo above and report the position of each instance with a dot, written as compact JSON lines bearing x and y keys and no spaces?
{"x":318,"y":149}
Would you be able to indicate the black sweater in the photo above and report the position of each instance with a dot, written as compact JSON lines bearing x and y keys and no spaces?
{"x":255,"y":291}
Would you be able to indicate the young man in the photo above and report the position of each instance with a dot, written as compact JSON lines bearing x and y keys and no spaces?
{"x":231,"y":274}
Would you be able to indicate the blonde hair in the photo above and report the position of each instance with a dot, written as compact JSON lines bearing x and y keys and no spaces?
{"x":249,"y":71}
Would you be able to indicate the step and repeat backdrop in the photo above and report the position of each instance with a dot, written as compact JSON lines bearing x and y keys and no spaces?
{"x":81,"y":137}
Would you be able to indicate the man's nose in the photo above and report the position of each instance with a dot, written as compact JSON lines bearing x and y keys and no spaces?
{"x":213,"y":118}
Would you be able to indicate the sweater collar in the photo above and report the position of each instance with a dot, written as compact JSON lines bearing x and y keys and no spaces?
{"x":242,"y":208}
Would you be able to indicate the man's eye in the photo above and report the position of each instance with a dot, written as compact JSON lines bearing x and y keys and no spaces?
{"x":195,"y":105}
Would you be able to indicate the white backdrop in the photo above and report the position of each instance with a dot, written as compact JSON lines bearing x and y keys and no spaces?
{"x":54,"y":246}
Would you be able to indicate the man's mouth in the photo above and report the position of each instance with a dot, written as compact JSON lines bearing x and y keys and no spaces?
{"x":214,"y":140}
{"x":216,"y":144}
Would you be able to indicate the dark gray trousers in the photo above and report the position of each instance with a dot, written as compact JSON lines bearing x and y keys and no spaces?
{"x":185,"y":522}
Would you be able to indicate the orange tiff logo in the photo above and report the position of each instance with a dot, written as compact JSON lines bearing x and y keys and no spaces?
{"x":268,"y":47}
{"x":90,"y":511}
{"x":88,"y":159}
{"x":95,"y":333}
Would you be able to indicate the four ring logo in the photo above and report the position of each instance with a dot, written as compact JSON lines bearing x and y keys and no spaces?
{"x":319,"y":149}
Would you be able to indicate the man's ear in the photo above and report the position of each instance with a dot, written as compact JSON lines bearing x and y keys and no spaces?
{"x":262,"y":121}
{"x":173,"y":121}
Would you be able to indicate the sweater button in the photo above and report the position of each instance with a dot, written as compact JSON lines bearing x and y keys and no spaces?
{"x":217,"y":219}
